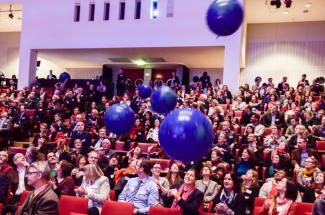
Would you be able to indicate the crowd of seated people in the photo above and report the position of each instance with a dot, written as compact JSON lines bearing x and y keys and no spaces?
{"x":267,"y":144}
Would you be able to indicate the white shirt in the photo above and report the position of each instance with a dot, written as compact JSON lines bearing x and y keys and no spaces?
{"x":21,"y":185}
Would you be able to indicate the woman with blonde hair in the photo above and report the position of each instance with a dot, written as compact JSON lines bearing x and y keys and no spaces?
{"x":250,"y":189}
{"x":95,"y":187}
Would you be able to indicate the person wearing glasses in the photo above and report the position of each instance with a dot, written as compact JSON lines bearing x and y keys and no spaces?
{"x":43,"y":199}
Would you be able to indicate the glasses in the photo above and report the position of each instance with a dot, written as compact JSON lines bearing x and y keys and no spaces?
{"x":96,"y":158}
{"x":30,"y":172}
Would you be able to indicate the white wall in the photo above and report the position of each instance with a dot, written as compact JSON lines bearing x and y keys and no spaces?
{"x":45,"y":66}
{"x":286,"y":49}
{"x":49,"y":24}
{"x":9,"y":53}
{"x":213,"y":73}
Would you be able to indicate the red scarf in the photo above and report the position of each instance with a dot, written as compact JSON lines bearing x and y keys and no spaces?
{"x":183,"y":194}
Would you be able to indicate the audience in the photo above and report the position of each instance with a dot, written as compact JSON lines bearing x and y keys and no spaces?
{"x":280,"y":127}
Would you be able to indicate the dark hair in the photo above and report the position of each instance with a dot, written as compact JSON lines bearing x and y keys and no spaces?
{"x":235,"y":180}
{"x":79,"y":158}
{"x":291,"y":191}
{"x":146,"y":165}
{"x":66,"y":168}
{"x":55,"y":126}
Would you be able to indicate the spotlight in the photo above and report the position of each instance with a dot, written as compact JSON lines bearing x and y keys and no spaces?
{"x":11,"y":15}
{"x":276,"y":3}
{"x":288,"y":3}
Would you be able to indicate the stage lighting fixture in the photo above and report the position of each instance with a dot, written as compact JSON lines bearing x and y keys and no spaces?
{"x":11,"y":15}
{"x":276,"y":3}
{"x":288,"y":3}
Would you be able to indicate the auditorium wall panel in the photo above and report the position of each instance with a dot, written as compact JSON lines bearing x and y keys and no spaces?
{"x":285,"y":49}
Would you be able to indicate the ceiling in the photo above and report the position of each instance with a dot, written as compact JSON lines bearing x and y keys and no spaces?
{"x":7,"y":24}
{"x":192,"y":57}
{"x":256,"y":11}
{"x":260,"y":11}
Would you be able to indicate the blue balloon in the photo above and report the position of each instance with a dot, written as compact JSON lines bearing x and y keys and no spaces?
{"x":145,"y":90}
{"x":163,"y":100}
{"x":119,"y":119}
{"x":224,"y":17}
{"x":186,"y":135}
{"x":64,"y":76}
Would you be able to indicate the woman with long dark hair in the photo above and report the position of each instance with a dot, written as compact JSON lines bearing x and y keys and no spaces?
{"x":229,"y":199}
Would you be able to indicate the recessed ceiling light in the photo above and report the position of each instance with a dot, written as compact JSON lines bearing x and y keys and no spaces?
{"x":308,"y":4}
{"x":285,"y":12}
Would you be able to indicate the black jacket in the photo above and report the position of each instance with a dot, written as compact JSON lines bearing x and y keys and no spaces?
{"x":192,"y":204}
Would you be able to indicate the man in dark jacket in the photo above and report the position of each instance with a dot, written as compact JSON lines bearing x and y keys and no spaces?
{"x":43,"y":200}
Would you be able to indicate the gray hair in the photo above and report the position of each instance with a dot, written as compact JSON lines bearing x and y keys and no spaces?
{"x":42,"y":167}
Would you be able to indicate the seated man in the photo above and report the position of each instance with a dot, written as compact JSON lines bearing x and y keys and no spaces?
{"x":298,"y":156}
{"x":141,"y":191}
{"x":43,"y":200}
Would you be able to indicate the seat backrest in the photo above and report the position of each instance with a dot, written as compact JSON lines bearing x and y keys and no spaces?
{"x":112,"y":195}
{"x":1,"y":207}
{"x":119,"y":145}
{"x":156,"y":210}
{"x":258,"y":204}
{"x":320,"y":145}
{"x":15,"y":150}
{"x":304,"y":208}
{"x":23,"y":197}
{"x":116,"y":208}
{"x":323,"y":161}
{"x":74,"y":204}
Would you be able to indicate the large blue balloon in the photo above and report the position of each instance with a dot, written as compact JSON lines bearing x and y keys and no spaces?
{"x":186,"y":135}
{"x":64,"y":76}
{"x":163,"y":100}
{"x":224,"y":17}
{"x":119,"y":119}
{"x":145,"y":90}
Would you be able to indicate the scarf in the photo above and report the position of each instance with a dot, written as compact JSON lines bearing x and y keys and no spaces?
{"x":183,"y":194}
{"x":227,"y":198}
{"x":283,"y":206}
{"x":308,"y":173}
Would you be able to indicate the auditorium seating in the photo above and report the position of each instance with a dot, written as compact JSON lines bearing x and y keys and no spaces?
{"x":69,"y":204}
{"x":304,"y":208}
{"x":112,"y":195}
{"x":22,"y":199}
{"x":15,"y":150}
{"x":299,"y":208}
{"x":320,"y":146}
{"x":156,"y":210}
{"x":116,"y":208}
{"x":1,"y":207}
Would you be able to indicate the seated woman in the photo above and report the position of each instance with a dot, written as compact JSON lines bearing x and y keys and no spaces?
{"x":78,"y":172}
{"x":208,"y":187}
{"x":250,"y":189}
{"x":133,"y":154}
{"x":283,"y":202}
{"x":95,"y":187}
{"x":229,"y":199}
{"x":137,"y":133}
{"x":64,"y":184}
{"x":152,"y":136}
{"x":187,"y":198}
{"x":216,"y":161}
{"x":307,"y":175}
{"x":54,"y":128}
{"x":310,"y":194}
{"x":175,"y":181}
{"x":277,"y":163}
{"x":246,"y":162}
{"x":162,"y":182}
{"x":249,"y":130}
